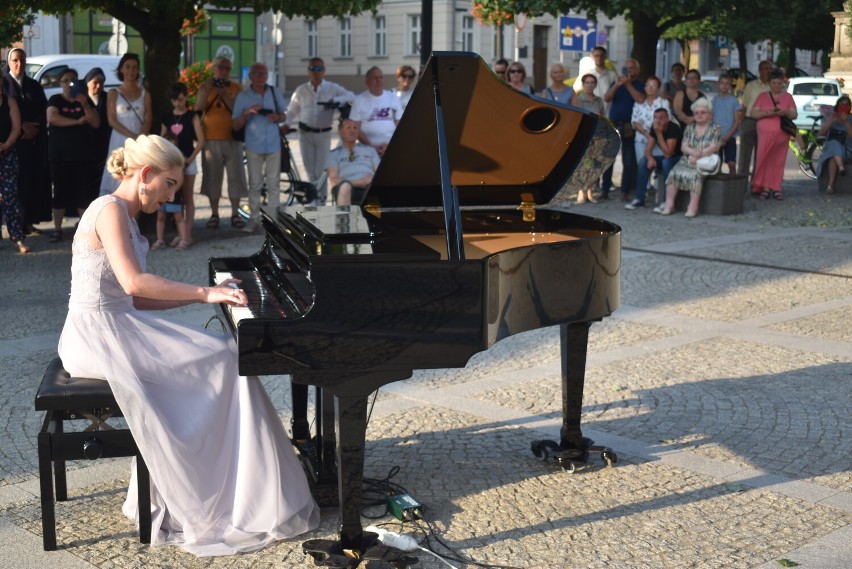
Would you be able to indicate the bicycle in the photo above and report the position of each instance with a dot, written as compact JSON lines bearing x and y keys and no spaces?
{"x":809,"y":157}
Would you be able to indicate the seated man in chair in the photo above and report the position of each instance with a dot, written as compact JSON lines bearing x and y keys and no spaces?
{"x":350,"y":166}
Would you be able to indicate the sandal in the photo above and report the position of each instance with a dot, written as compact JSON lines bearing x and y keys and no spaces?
{"x":777,"y":196}
{"x":182,"y":245}
{"x":55,"y":237}
{"x":213,"y":222}
{"x":764,"y":195}
{"x":829,"y":190}
{"x":158,"y":244}
{"x":22,"y":249}
{"x":237,"y":222}
{"x":175,"y":242}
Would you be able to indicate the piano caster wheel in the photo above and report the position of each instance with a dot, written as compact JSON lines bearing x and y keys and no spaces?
{"x":543,"y":449}
{"x":610,"y":458}
{"x":566,"y":465}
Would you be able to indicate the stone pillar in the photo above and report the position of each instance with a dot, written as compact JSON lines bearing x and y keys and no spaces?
{"x":841,"y":56}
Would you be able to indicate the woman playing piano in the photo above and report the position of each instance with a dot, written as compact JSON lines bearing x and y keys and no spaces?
{"x":224,"y":476}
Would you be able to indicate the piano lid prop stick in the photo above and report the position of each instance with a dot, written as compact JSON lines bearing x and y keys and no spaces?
{"x":449,"y":193}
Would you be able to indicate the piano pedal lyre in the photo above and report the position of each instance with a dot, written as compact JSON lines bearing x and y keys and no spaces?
{"x":569,"y":458}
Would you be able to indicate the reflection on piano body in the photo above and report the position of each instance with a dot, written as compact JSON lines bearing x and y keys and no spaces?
{"x":460,"y":242}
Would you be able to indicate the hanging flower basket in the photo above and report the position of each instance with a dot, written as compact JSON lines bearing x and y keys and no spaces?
{"x":193,"y":76}
{"x":491,"y":13}
{"x":196,"y":24}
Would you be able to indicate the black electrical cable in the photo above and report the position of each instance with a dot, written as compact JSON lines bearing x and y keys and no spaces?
{"x":454,"y":554}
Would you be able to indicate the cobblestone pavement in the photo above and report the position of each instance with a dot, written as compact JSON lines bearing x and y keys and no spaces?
{"x":723,"y":382}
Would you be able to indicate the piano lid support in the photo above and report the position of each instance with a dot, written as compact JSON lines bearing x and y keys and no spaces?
{"x":449,"y":193}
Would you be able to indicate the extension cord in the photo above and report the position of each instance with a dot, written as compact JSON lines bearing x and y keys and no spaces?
{"x":393,"y":539}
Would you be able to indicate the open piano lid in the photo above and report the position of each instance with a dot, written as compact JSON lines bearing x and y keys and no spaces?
{"x":502,"y":145}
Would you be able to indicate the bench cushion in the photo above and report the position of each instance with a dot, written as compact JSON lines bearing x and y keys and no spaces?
{"x":58,"y":390}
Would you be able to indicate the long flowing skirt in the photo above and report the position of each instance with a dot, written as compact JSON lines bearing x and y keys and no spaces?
{"x":224,"y":475}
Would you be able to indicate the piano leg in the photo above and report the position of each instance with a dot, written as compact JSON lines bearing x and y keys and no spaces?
{"x":352,"y":423}
{"x":573,"y":447}
{"x":300,"y":424}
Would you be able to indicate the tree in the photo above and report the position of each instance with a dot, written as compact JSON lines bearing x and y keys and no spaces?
{"x":13,"y":17}
{"x":159,"y":23}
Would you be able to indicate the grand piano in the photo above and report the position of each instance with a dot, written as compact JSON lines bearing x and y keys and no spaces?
{"x":462,"y":240}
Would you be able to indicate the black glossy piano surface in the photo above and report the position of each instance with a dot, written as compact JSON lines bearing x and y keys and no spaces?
{"x":463,"y":239}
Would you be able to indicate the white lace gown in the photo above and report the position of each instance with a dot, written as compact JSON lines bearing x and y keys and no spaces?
{"x":224,"y":475}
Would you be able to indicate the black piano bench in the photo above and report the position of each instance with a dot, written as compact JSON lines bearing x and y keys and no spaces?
{"x":66,"y":398}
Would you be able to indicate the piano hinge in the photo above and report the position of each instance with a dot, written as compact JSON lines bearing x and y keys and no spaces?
{"x":373,"y":207}
{"x":527,"y":207}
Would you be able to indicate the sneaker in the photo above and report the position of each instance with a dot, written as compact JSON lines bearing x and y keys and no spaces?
{"x":660,"y":208}
{"x":634,"y":204}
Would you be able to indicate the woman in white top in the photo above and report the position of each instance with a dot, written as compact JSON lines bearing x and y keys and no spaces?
{"x":405,"y":82}
{"x":128,"y":112}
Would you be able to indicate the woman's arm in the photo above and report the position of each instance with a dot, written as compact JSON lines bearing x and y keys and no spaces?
{"x":15,"y":131}
{"x":677,"y":107}
{"x":199,"y":138}
{"x":150,"y":290}
{"x":112,"y":118}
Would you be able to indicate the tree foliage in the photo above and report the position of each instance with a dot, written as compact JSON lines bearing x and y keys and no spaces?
{"x":159,"y":22}
{"x":13,"y":17}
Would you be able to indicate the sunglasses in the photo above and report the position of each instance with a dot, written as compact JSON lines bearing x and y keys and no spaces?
{"x":316,"y":68}
{"x":515,"y":71}
{"x":352,"y":156}
{"x":407,"y":75}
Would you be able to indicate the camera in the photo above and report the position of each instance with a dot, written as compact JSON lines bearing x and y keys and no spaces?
{"x":264,"y":112}
{"x":221,"y":83}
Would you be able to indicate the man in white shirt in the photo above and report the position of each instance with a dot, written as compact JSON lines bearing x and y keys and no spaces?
{"x":311,"y":109}
{"x":377,"y":110}
{"x":606,"y":76}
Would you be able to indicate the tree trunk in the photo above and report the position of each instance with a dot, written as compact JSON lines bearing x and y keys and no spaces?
{"x":646,"y":34}
{"x":791,"y":60}
{"x":162,"y":62}
{"x":741,"y":50}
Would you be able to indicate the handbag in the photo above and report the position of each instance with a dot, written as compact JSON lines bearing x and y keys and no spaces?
{"x":787,"y":124}
{"x":709,"y":165}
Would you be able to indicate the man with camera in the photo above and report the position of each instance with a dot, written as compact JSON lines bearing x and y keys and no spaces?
{"x":221,"y":152}
{"x":312,"y":106}
{"x":260,"y":108}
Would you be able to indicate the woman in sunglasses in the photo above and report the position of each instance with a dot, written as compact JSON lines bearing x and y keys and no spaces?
{"x":404,"y":82}
{"x":517,"y":75}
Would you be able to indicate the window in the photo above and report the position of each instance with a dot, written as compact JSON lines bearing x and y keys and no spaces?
{"x":344,"y":47}
{"x":311,"y":39}
{"x":379,"y":45}
{"x":412,"y":46}
{"x":467,"y":33}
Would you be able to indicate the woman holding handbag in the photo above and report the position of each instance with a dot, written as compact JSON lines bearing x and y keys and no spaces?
{"x":769,"y":110}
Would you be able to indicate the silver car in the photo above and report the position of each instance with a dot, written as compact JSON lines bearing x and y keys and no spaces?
{"x":814,"y":97}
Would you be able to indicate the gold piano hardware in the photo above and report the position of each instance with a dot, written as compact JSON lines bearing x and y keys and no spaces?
{"x":373,"y":208}
{"x":527,"y":207}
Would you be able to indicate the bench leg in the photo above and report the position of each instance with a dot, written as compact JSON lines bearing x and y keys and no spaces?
{"x":143,"y":481}
{"x":45,"y":474}
{"x":59,"y":465}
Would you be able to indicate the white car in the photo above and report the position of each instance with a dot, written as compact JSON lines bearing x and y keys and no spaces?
{"x":46,"y":69}
{"x":813,"y":97}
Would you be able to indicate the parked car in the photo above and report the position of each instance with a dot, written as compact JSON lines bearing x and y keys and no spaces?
{"x":46,"y":69}
{"x":813,"y":96}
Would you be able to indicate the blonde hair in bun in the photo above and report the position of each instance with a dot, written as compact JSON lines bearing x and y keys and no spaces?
{"x":147,"y":150}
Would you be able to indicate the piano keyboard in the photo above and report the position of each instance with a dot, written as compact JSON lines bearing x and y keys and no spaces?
{"x":261,"y":302}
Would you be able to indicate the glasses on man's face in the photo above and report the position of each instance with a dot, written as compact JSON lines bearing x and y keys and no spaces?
{"x":515,"y":71}
{"x":316,"y":68}
{"x":407,"y":75}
